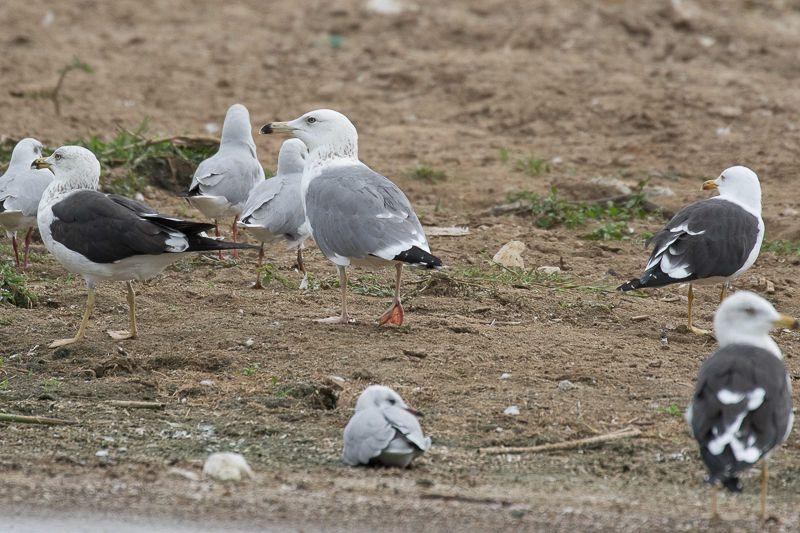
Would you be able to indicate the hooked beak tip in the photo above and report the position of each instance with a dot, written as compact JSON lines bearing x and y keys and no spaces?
{"x":788,"y":322}
{"x":709,"y":185}
{"x":266,"y":129}
{"x":40,"y":163}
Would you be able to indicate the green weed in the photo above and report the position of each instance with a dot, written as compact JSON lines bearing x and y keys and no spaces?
{"x":251,"y":369}
{"x":781,"y":247}
{"x":532,"y":166}
{"x":671,"y":410}
{"x":14,"y":289}
{"x":427,"y":174}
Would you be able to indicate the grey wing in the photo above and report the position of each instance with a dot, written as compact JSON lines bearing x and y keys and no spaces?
{"x":24,"y":191}
{"x":366,"y":435}
{"x":275,"y":204}
{"x":408,"y":425}
{"x":230,"y":174}
{"x":355,"y":213}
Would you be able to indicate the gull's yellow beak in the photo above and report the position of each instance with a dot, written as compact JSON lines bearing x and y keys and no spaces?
{"x":40,"y":163}
{"x":277,"y":127}
{"x":709,"y":185}
{"x":788,"y":322}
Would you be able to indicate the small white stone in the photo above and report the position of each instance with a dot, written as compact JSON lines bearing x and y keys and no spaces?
{"x":48,"y":19}
{"x":248,"y":343}
{"x":211,"y":128}
{"x":723,"y":131}
{"x":227,"y":466}
{"x":706,"y":41}
{"x":548,"y":270}
{"x":139,"y":197}
{"x":385,"y":7}
{"x":101,"y":453}
{"x":511,"y":410}
{"x":565,"y":385}
{"x":510,"y":255}
{"x":207,"y":383}
{"x":505,"y":375}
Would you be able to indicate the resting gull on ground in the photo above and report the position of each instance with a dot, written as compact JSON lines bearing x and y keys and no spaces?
{"x":356,"y":215}
{"x":106,"y":237}
{"x":222,"y":182}
{"x":742,"y":405}
{"x":274,"y":210}
{"x":709,"y":241}
{"x":21,"y":188}
{"x":383,"y":430}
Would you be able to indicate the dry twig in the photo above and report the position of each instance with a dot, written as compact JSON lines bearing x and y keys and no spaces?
{"x":40,"y":420}
{"x":625,"y":433}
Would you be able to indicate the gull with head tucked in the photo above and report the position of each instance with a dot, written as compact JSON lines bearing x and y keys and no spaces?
{"x":222,"y":183}
{"x":356,"y":216}
{"x":105,"y":237}
{"x":383,"y":430}
{"x":713,"y":240}
{"x":21,"y":188}
{"x":274,"y":210}
{"x":742,"y":404}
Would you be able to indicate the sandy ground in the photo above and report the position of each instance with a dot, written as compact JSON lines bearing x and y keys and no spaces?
{"x":615,"y":89}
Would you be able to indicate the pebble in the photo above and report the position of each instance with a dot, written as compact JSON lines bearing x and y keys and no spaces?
{"x":510,"y":255}
{"x":227,"y":466}
{"x":505,"y":375}
{"x":565,"y":385}
{"x":207,"y":383}
{"x":548,"y":270}
{"x":511,"y":410}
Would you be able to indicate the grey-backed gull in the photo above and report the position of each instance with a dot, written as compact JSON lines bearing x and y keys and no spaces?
{"x":222,"y":183}
{"x":709,"y":241}
{"x":274,"y":210}
{"x":21,"y":188}
{"x":356,"y":215}
{"x":106,"y":237}
{"x":383,"y":430}
{"x":742,"y":405}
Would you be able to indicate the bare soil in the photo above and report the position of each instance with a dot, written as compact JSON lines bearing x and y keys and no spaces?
{"x":622,"y":89}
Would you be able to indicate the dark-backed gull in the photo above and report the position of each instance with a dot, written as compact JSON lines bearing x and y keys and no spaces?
{"x":742,"y":405}
{"x":106,"y":237}
{"x":356,"y":215}
{"x":222,"y":183}
{"x":274,"y":210}
{"x":710,"y":241}
{"x":21,"y":188}
{"x":383,"y":430}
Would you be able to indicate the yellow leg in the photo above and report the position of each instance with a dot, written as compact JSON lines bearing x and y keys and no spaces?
{"x":82,"y":329}
{"x":696,"y":331}
{"x":714,"y":508}
{"x":723,"y":292}
{"x":763,"y":502}
{"x":130,"y":334}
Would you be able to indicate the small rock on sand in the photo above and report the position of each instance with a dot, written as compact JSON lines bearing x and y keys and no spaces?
{"x":227,"y":466}
{"x":510,"y":255}
{"x":548,"y":270}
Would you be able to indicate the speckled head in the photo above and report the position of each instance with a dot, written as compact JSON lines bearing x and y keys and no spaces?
{"x":25,"y":152}
{"x":73,"y":166}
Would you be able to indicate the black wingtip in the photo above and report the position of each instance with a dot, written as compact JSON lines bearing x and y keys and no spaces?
{"x":418,"y":257}
{"x":629,"y":286}
{"x":266,"y":129}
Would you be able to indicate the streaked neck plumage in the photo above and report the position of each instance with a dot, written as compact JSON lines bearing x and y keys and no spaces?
{"x":62,"y":185}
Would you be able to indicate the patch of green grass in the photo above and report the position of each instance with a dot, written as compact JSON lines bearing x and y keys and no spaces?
{"x":671,"y":410}
{"x":532,"y":166}
{"x":612,"y":231}
{"x":503,"y":155}
{"x":251,"y":369}
{"x":427,"y":174}
{"x":270,"y":272}
{"x":781,"y":247}
{"x":128,"y":148}
{"x":553,"y":210}
{"x":371,"y":285}
{"x":4,"y":384}
{"x":51,"y":384}
{"x":14,"y":288}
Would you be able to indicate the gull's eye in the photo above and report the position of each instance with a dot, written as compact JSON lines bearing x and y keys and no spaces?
{"x":750,"y":311}
{"x":57,"y":156}
{"x":311,"y":120}
{"x":392,"y":401}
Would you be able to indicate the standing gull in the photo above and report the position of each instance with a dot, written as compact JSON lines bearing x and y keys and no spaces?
{"x":21,"y":188}
{"x":222,"y":182}
{"x":274,"y":210}
{"x":742,"y":405}
{"x":107,"y":237}
{"x":356,"y":215}
{"x":383,"y":430}
{"x":709,"y":241}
